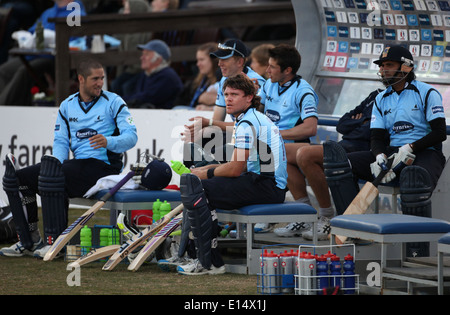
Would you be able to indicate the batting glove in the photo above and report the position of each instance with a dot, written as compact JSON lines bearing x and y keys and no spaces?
{"x":404,"y":157}
{"x":377,"y":166}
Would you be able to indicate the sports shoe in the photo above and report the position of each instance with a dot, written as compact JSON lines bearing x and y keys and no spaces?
{"x":196,"y":269}
{"x":17,"y":250}
{"x":263,"y":227}
{"x":173,"y":262}
{"x":323,"y":230}
{"x":292,"y":229}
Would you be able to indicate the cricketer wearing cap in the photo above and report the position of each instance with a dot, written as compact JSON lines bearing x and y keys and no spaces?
{"x":412,"y":114}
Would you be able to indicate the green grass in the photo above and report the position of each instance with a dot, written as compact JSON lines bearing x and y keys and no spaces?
{"x":28,"y":275}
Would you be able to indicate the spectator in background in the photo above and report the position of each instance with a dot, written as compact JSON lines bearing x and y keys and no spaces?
{"x":126,"y":75}
{"x":158,"y":85}
{"x":259,"y":59}
{"x":201,"y":92}
{"x":22,"y":16}
{"x":15,"y":79}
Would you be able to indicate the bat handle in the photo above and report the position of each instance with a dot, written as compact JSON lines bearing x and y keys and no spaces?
{"x":384,"y":167}
{"x":117,"y":186}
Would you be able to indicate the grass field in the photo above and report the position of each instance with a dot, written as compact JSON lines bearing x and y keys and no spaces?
{"x":28,"y":275}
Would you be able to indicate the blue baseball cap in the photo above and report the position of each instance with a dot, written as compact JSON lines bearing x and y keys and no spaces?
{"x":156,"y":175}
{"x":232,"y":47}
{"x":158,"y":46}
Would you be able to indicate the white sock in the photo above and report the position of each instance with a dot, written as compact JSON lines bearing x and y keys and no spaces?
{"x":304,"y":200}
{"x":326,"y":212}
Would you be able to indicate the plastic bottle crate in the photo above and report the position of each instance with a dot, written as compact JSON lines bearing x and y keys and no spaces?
{"x":75,"y":251}
{"x":277,"y":276}
{"x":306,"y":282}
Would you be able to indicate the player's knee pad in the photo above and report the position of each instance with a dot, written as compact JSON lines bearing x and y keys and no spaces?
{"x":416,"y":188}
{"x":53,"y":197}
{"x":199,"y":216}
{"x":11,"y":188}
{"x":415,"y":195}
{"x":339,"y":175}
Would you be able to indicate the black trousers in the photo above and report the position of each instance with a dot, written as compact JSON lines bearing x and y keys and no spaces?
{"x":80,"y":176}
{"x":229,"y":193}
{"x":431,"y":160}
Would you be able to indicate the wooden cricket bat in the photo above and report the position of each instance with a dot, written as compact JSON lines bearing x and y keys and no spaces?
{"x":364,"y":198}
{"x":155,"y":242}
{"x":95,"y":254}
{"x":68,"y":233}
{"x":138,"y":239}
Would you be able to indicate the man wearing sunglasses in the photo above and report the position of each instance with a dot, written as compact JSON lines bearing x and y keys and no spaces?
{"x":232,"y":56}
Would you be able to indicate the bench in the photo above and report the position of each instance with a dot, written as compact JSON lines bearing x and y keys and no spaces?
{"x":129,"y":199}
{"x":268,"y":213}
{"x":126,"y":200}
{"x":392,"y":228}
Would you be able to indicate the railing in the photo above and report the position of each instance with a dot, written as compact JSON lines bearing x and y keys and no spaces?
{"x":182,"y":20}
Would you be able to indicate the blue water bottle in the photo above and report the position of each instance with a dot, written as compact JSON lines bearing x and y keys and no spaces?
{"x":322,"y":273}
{"x":349,"y":273}
{"x":335,"y":272}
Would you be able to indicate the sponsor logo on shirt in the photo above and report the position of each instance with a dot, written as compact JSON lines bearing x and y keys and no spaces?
{"x":402,"y":126}
{"x":86,"y":133}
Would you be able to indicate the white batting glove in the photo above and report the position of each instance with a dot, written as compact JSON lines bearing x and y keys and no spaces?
{"x":376,"y":168}
{"x":404,"y":157}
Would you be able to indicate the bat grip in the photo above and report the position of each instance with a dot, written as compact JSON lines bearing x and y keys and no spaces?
{"x":384,"y":167}
{"x":113,"y":190}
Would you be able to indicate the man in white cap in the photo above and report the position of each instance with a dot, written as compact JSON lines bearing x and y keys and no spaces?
{"x":158,"y":85}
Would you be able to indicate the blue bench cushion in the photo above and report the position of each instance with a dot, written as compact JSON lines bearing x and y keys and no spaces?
{"x":130,"y":195}
{"x":274,"y":209}
{"x":445,"y":239}
{"x":390,"y":224}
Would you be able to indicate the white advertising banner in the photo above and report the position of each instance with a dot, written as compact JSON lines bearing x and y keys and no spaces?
{"x":27,"y":132}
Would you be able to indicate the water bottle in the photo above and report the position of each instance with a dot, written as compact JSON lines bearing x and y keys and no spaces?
{"x":349,"y":272}
{"x":270,"y":270}
{"x":179,"y":167}
{"x":104,"y":237}
{"x":164,"y":208}
{"x":39,"y":36}
{"x":113,"y":236}
{"x":85,"y":240}
{"x":323,"y":281}
{"x":287,"y":272}
{"x":307,"y":264}
{"x":335,"y":272}
{"x":156,"y":215}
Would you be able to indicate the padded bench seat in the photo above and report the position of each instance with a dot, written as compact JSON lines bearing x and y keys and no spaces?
{"x":390,"y":228}
{"x":129,"y":199}
{"x":269,"y":213}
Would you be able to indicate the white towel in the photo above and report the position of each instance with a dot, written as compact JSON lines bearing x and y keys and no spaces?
{"x":109,"y":182}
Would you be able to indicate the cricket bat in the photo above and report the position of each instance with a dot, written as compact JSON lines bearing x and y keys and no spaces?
{"x":68,"y":233}
{"x":136,"y":241}
{"x":364,"y":198}
{"x":155,"y":242}
{"x":95,"y":254}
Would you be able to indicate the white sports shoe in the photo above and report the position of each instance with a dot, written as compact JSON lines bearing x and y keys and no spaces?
{"x":323,"y":230}
{"x":292,"y":229}
{"x":17,"y":250}
{"x":263,"y":227}
{"x":196,"y":269}
{"x":173,"y":262}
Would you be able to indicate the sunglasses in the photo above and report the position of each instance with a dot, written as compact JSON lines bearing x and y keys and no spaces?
{"x":225,"y":47}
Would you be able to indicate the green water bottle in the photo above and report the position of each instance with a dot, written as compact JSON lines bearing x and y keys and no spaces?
{"x":39,"y":36}
{"x":165,"y":208}
{"x":156,"y":215}
{"x":113,"y":236}
{"x":85,"y":240}
{"x":179,"y":167}
{"x":104,"y":237}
